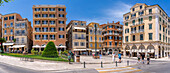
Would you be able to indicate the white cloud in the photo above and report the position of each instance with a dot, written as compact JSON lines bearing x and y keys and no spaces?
{"x":114,"y":13}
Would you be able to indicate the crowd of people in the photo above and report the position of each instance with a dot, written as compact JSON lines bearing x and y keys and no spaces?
{"x":118,"y":55}
{"x":142,"y":56}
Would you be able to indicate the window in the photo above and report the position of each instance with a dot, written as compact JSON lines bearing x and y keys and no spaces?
{"x":61,"y":22}
{"x":44,"y":22}
{"x":52,"y":22}
{"x":141,"y":36}
{"x":120,"y":38}
{"x":106,"y":43}
{"x":60,"y":9}
{"x":150,"y":26}
{"x":44,"y":9}
{"x":133,"y":37}
{"x":160,"y":37}
{"x":23,"y":32}
{"x":11,"y":31}
{"x":100,"y":39}
{"x":133,"y":22}
{"x":76,"y":43}
{"x":52,"y":15}
{"x":82,"y":24}
{"x":61,"y":29}
{"x":76,"y":37}
{"x":82,"y":44}
{"x":163,"y":38}
{"x":5,"y":32}
{"x":5,"y":25}
{"x":52,"y":37}
{"x":115,"y":43}
{"x":150,"y":18}
{"x":110,"y":43}
{"x":11,"y":24}
{"x":22,"y":40}
{"x":115,"y":37}
{"x":37,"y":22}
{"x":100,"y":45}
{"x":163,"y":29}
{"x":17,"y":40}
{"x":133,"y":9}
{"x":37,"y":15}
{"x":126,"y":23}
{"x":111,"y":26}
{"x":61,"y":36}
{"x":91,"y":38}
{"x":45,"y":29}
{"x":82,"y":36}
{"x":150,"y":11}
{"x":37,"y":37}
{"x":95,"y":38}
{"x":120,"y":43}
{"x":159,"y":18}
{"x":45,"y":37}
{"x":91,"y":31}
{"x":75,"y":23}
{"x":5,"y":18}
{"x":11,"y":17}
{"x":37,"y":9}
{"x":160,"y":27}
{"x":52,"y":9}
{"x":37,"y":29}
{"x":91,"y":45}
{"x":44,"y":15}
{"x":141,"y":7}
{"x":61,"y":15}
{"x":150,"y":36}
{"x":110,"y":37}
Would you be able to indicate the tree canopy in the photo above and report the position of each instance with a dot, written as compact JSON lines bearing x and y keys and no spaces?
{"x":5,"y":1}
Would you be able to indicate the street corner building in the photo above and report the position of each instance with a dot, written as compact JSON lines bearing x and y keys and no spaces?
{"x":49,"y":24}
{"x":147,"y":31}
{"x":112,"y":37}
{"x":17,"y":32}
{"x":76,"y":36}
{"x":94,"y":38}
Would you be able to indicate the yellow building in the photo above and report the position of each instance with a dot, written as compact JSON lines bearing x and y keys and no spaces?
{"x":145,"y":31}
{"x":91,"y":37}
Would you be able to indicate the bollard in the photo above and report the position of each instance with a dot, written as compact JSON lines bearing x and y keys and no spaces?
{"x":84,"y":65}
{"x":101,"y":64}
{"x":116,"y":63}
{"x":127,"y":62}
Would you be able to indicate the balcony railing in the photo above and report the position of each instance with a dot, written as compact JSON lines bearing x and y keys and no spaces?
{"x":116,"y":33}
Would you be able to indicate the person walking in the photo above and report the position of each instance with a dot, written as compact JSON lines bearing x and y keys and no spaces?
{"x":69,"y":58}
{"x":139,"y":58}
{"x":148,"y":59}
{"x":113,"y":57}
{"x":119,"y":55}
{"x":143,"y":57}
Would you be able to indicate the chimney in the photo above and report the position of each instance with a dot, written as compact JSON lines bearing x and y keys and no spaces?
{"x":113,"y":22}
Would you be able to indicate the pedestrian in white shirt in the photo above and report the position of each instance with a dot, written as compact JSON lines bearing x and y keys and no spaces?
{"x":113,"y":57}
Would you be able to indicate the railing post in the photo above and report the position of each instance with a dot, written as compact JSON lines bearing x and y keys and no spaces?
{"x":84,"y":65}
{"x":127,"y":62}
{"x":116,"y":63}
{"x":101,"y":64}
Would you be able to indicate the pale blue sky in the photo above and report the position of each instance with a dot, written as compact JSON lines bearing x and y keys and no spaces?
{"x":99,"y":11}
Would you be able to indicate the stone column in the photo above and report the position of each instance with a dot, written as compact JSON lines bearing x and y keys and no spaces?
{"x":146,"y":52}
{"x":131,"y":52}
{"x":161,"y":52}
{"x":124,"y":52}
{"x":156,"y":52}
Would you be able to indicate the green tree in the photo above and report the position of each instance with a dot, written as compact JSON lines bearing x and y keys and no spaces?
{"x":2,"y":40}
{"x":3,"y":1}
{"x":50,"y":50}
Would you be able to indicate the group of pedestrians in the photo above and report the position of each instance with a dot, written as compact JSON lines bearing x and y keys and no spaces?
{"x":142,"y":56}
{"x":114,"y":56}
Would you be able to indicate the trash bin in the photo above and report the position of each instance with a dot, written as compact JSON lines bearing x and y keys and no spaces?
{"x":77,"y":59}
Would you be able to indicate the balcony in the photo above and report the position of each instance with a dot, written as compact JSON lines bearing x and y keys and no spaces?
{"x":116,"y":33}
{"x":80,"y":38}
{"x":108,"y":34}
{"x":44,"y":38}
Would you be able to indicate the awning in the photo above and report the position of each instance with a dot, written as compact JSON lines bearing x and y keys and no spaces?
{"x":61,"y":47}
{"x":18,"y":46}
{"x":94,"y":50}
{"x":6,"y":44}
{"x":80,"y":28}
{"x":79,"y":49}
{"x":36,"y":46}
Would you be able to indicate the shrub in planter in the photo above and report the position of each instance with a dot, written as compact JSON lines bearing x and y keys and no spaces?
{"x":32,"y":51}
{"x":40,"y":53}
{"x":50,"y":50}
